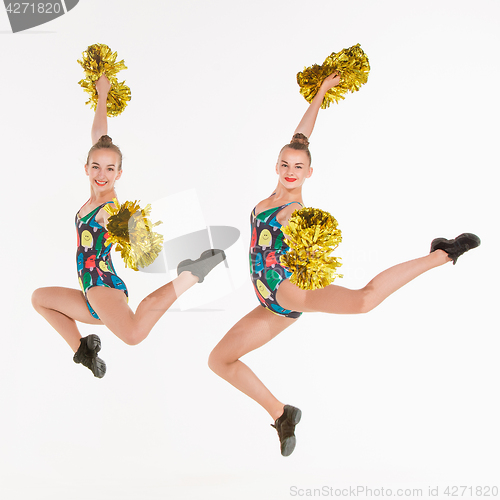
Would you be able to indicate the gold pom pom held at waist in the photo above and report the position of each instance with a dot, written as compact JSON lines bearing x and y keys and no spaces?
{"x":312,"y":236}
{"x":130,"y":228}
{"x":97,"y":60}
{"x":351,"y":63}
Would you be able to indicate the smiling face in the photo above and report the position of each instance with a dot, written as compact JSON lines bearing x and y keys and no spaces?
{"x":265,"y":238}
{"x":103,"y":169}
{"x":87,"y":240}
{"x":293,"y":168}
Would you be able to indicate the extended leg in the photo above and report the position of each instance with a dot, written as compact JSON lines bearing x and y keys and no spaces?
{"x":111,"y":306}
{"x":340,"y":300}
{"x":251,"y":332}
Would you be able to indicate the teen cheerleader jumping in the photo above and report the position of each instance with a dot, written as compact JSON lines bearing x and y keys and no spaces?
{"x":282,"y":302}
{"x":103,"y":297}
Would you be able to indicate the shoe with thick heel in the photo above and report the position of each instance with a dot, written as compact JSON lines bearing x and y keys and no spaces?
{"x":285,"y":425}
{"x":87,"y":355}
{"x":456,"y":247}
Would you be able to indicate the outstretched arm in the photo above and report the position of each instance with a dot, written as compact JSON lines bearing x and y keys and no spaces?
{"x":100,"y":124}
{"x":306,"y":125}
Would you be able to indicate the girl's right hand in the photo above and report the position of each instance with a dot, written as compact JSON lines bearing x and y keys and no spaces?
{"x":331,"y":81}
{"x":102,"y":85}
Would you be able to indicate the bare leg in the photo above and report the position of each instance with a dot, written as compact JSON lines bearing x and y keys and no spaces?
{"x":111,"y":306}
{"x":251,"y":332}
{"x":61,"y":307}
{"x":340,"y":300}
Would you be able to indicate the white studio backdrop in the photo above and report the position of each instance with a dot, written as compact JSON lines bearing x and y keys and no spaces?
{"x":404,"y":397}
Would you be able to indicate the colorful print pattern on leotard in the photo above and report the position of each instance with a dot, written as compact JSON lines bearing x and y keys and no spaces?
{"x":93,"y":258}
{"x":266,"y":247}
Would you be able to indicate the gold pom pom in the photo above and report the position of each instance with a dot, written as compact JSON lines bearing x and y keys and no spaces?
{"x":312,"y":235}
{"x":353,"y":66}
{"x":96,"y":61}
{"x":129,"y":227}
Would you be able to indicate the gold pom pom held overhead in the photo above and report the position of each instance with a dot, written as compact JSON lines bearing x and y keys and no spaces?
{"x":97,"y":60}
{"x":130,"y":228}
{"x":312,"y":236}
{"x":351,"y":63}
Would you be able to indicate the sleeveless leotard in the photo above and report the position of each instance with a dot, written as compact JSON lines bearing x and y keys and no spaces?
{"x":267,"y":245}
{"x":93,"y":258}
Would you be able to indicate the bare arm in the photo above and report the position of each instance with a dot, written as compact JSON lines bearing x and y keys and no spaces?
{"x":306,"y":125}
{"x":100,"y":124}
{"x":284,"y":215}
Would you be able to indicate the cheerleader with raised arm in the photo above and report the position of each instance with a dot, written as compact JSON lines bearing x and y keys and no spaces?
{"x":103,"y":297}
{"x":281,"y":301}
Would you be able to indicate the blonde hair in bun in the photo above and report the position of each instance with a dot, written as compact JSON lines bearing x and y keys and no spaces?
{"x":301,"y":143}
{"x":105,"y":142}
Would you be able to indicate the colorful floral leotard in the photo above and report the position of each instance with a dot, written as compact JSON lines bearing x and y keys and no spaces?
{"x":93,"y":258}
{"x":266,"y":247}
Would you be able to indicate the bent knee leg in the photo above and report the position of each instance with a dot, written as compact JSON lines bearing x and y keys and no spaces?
{"x":214,"y":361}
{"x":38,"y":298}
{"x":217,"y":362}
{"x":132,"y":335}
{"x":127,"y":331}
{"x":35,"y":298}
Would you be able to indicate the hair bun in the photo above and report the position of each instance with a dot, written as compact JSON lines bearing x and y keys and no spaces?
{"x":300,"y":139}
{"x":105,"y":141}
